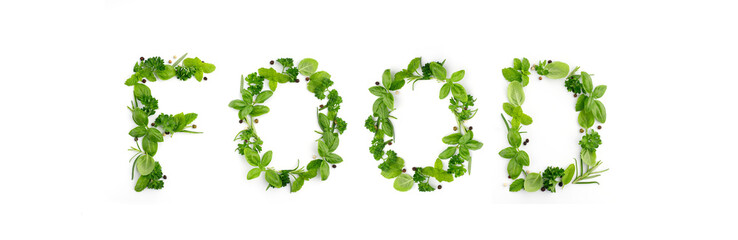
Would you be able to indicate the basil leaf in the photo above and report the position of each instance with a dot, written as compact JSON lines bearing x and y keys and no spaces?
{"x":312,"y":169}
{"x":446,"y":154}
{"x":273,"y":178}
{"x":513,"y":137}
{"x":263,"y":96}
{"x":515,"y":94}
{"x":517,"y":65}
{"x":452,"y":138}
{"x":514,"y":169}
{"x":511,"y":75}
{"x":474,"y":145}
{"x":266,"y":159}
{"x":322,"y":149}
{"x":587,"y":82}
{"x":438,"y":71}
{"x":141,"y":90}
{"x":600,"y":113}
{"x":388,"y":128}
{"x":393,"y":168}
{"x":599,"y":91}
{"x":142,"y":183}
{"x":154,"y":135}
{"x":403,"y":183}
{"x":333,"y":158}
{"x":589,"y":157}
{"x":568,"y":174}
{"x":145,"y":164}
{"x":413,"y":65}
{"x":273,"y":85}
{"x":464,"y":153}
{"x":324,"y":170}
{"x":399,"y":81}
{"x":508,"y":152}
{"x":237,"y":104}
{"x":245,"y":111}
{"x":139,"y":131}
{"x":508,"y":107}
{"x":388,"y":100}
{"x":252,"y":157}
{"x":167,"y":73}
{"x":533,"y":182}
{"x":386,"y":79}
{"x":526,"y":65}
{"x":586,"y":120}
{"x":318,"y":81}
{"x":323,"y":122}
{"x":557,"y":70}
{"x":253,"y":173}
{"x":274,"y":76}
{"x":522,"y":158}
{"x":466,"y":137}
{"x":378,"y":91}
{"x":516,"y":185}
{"x":297,"y":184}
{"x":457,"y":76}
{"x":259,"y":110}
{"x":438,"y":164}
{"x":459,"y":92}
{"x":445,"y":90}
{"x":580,"y":102}
{"x":140,"y":117}
{"x":307,"y":66}
{"x":443,"y":176}
{"x":149,"y":146}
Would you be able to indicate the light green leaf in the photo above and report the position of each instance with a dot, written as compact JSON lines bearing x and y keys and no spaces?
{"x":457,"y":76}
{"x":515,"y":94}
{"x":438,"y":164}
{"x":447,"y":153}
{"x":413,"y":65}
{"x":533,"y":182}
{"x":557,"y":70}
{"x":253,"y":173}
{"x":522,"y":158}
{"x":266,"y":159}
{"x":252,"y":157}
{"x":586,"y":120}
{"x":601,"y":113}
{"x":517,"y":185}
{"x":263,"y":96}
{"x":568,"y":174}
{"x":445,"y":89}
{"x":459,"y":92}
{"x":438,"y":71}
{"x":140,"y":117}
{"x":259,"y":110}
{"x":145,"y":164}
{"x":403,"y":183}
{"x":387,"y":79}
{"x":589,"y":157}
{"x":452,"y":138}
{"x":587,"y":82}
{"x":508,"y":152}
{"x":474,"y":145}
{"x":378,"y":91}
{"x":307,"y":66}
{"x":297,"y":184}
{"x":324,"y":170}
{"x":273,"y":178}
{"x":150,"y":146}
{"x":511,"y":75}
{"x":599,"y":91}
{"x":237,"y":104}
{"x":333,"y":158}
{"x":514,"y":169}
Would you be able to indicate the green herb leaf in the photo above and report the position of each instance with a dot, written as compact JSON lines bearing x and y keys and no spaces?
{"x":459,"y":92}
{"x":237,"y":104}
{"x":508,"y":153}
{"x":452,"y":138}
{"x":533,"y":182}
{"x":511,"y":75}
{"x":386,"y":79}
{"x":557,"y":70}
{"x":259,"y":110}
{"x":307,"y":66}
{"x":447,"y":153}
{"x":589,"y":157}
{"x":139,"y":131}
{"x":515,"y":94}
{"x":587,"y":82}
{"x":265,"y":159}
{"x":445,"y":89}
{"x":568,"y":174}
{"x":145,"y":164}
{"x":273,"y":178}
{"x":600,"y":113}
{"x":522,"y":158}
{"x":514,"y":169}
{"x":324,"y":170}
{"x":263,"y":96}
{"x":140,"y":117}
{"x":403,"y":183}
{"x":378,"y":91}
{"x":457,"y":76}
{"x":252,"y":157}
{"x":438,"y":71}
{"x":599,"y":91}
{"x":253,"y":173}
{"x":516,"y":185}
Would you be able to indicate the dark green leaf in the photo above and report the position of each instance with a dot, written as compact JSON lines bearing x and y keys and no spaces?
{"x":139,"y":131}
{"x":509,"y":152}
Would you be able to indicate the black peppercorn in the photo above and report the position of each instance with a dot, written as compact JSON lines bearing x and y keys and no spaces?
{"x":543,"y":189}
{"x":271,"y":62}
{"x":404,"y":170}
{"x":153,"y":125}
{"x":167,"y":133}
{"x":439,"y":186}
{"x":321,"y":106}
{"x":135,"y":139}
{"x":376,"y":83}
{"x":297,"y":80}
{"x":508,"y":176}
{"x":164,"y":176}
{"x":575,"y":95}
{"x":561,"y":184}
{"x":525,"y":143}
{"x":389,"y":143}
{"x":549,"y":61}
{"x":307,"y":79}
{"x":599,"y":127}
{"x":415,"y":169}
{"x":334,"y":166}
{"x":240,"y":120}
{"x":470,"y":128}
{"x":143,"y":81}
{"x":205,"y":78}
{"x":142,"y":58}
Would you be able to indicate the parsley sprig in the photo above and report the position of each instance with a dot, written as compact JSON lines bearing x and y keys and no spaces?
{"x":251,"y":105}
{"x":460,"y":143}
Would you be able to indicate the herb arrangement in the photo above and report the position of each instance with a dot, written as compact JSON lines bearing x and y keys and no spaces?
{"x":590,"y":109}
{"x":144,"y":105}
{"x":251,"y":105}
{"x":460,"y":143}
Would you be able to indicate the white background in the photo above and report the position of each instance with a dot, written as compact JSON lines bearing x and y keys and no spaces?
{"x":669,"y":67}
